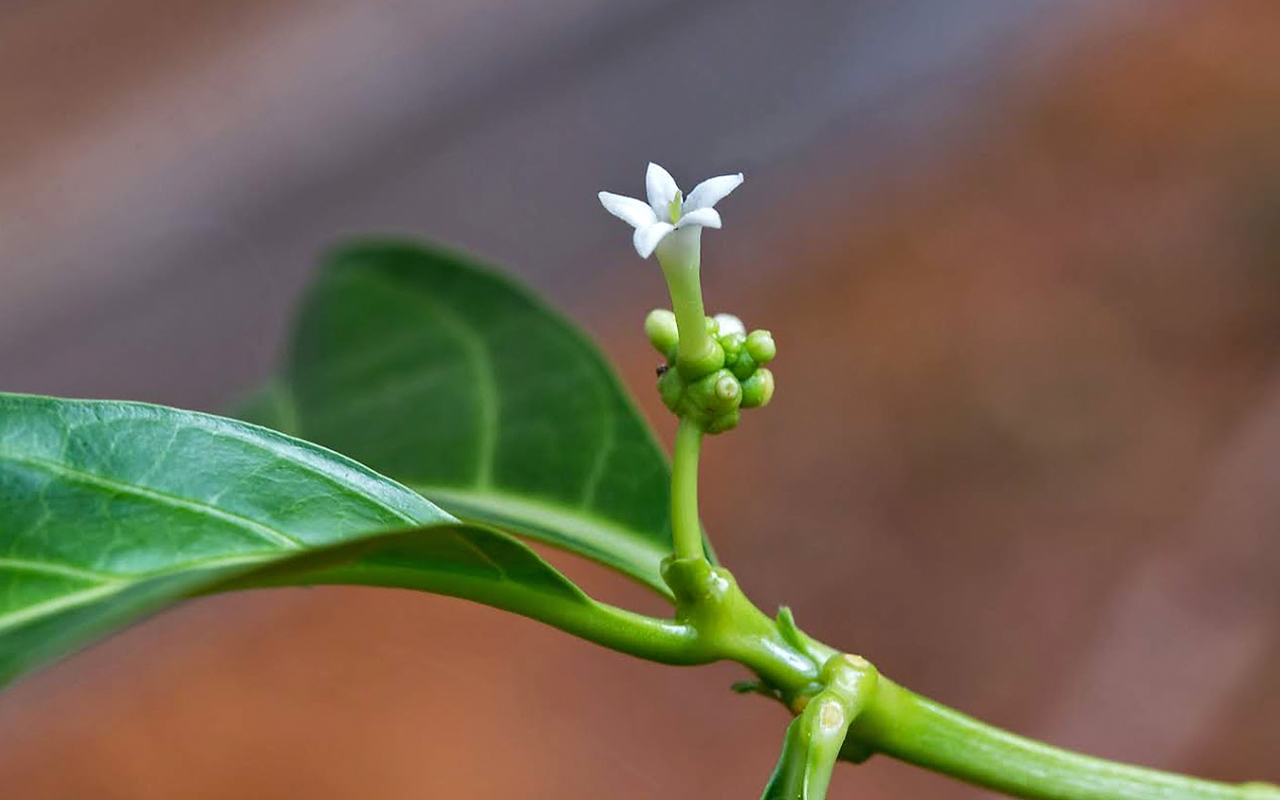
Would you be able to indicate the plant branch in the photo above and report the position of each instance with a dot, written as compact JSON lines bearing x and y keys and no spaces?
{"x":686,"y":529}
{"x":665,"y":641}
{"x":920,"y":731}
{"x":715,"y":621}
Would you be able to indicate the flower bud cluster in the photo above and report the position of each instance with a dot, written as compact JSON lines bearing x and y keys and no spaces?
{"x":711,"y":390}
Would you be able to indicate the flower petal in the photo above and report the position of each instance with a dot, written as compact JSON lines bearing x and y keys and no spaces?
{"x":706,"y":217}
{"x":711,"y":191}
{"x":729,"y":324}
{"x":628,"y":209}
{"x":661,"y":189}
{"x":646,"y":239}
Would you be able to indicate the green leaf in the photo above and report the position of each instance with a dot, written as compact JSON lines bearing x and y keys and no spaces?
{"x":460,"y":560}
{"x":113,"y":510}
{"x":460,"y":383}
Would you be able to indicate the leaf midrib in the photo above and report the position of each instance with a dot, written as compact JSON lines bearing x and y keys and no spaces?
{"x":60,"y":603}
{"x":108,"y":583}
{"x":59,"y":570}
{"x":476,"y":351}
{"x":163,"y":498}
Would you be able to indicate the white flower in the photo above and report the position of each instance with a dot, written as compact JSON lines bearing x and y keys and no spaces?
{"x":729,"y":324}
{"x":668,"y":210}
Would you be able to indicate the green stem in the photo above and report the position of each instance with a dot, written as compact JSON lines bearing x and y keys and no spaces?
{"x":917,"y":730}
{"x":728,"y":627}
{"x":662,"y":640}
{"x":686,"y":529}
{"x":684,"y":282}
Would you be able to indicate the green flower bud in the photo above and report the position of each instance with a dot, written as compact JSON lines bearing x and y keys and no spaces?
{"x":732,"y":344}
{"x":728,"y":390}
{"x":716,"y":393}
{"x":758,"y":389}
{"x":745,"y":366}
{"x":660,"y":327}
{"x":710,"y":388}
{"x":724,"y":422}
{"x":671,"y":388}
{"x":761,"y":346}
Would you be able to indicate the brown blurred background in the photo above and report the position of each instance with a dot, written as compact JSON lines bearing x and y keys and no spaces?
{"x":1022,"y":256}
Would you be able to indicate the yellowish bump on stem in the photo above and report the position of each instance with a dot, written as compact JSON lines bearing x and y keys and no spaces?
{"x":831,"y":715}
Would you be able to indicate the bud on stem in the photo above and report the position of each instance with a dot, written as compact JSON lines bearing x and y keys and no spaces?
{"x":725,"y":380}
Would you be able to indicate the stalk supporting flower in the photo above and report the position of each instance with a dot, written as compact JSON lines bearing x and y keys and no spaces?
{"x":700,"y":390}
{"x":686,"y":529}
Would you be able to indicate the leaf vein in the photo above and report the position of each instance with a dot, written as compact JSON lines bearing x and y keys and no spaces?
{"x":476,"y":350}
{"x":61,"y":570}
{"x":60,"y":603}
{"x":156,"y":496}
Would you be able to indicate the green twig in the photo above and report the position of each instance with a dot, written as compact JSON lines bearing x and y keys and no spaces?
{"x":915,"y":729}
{"x":686,"y":530}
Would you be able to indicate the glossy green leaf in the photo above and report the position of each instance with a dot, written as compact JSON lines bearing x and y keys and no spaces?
{"x":113,"y":510}
{"x":456,"y":559}
{"x":460,"y":383}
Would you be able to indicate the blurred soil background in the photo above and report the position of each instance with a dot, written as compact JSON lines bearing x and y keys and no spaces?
{"x":1022,"y":260}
